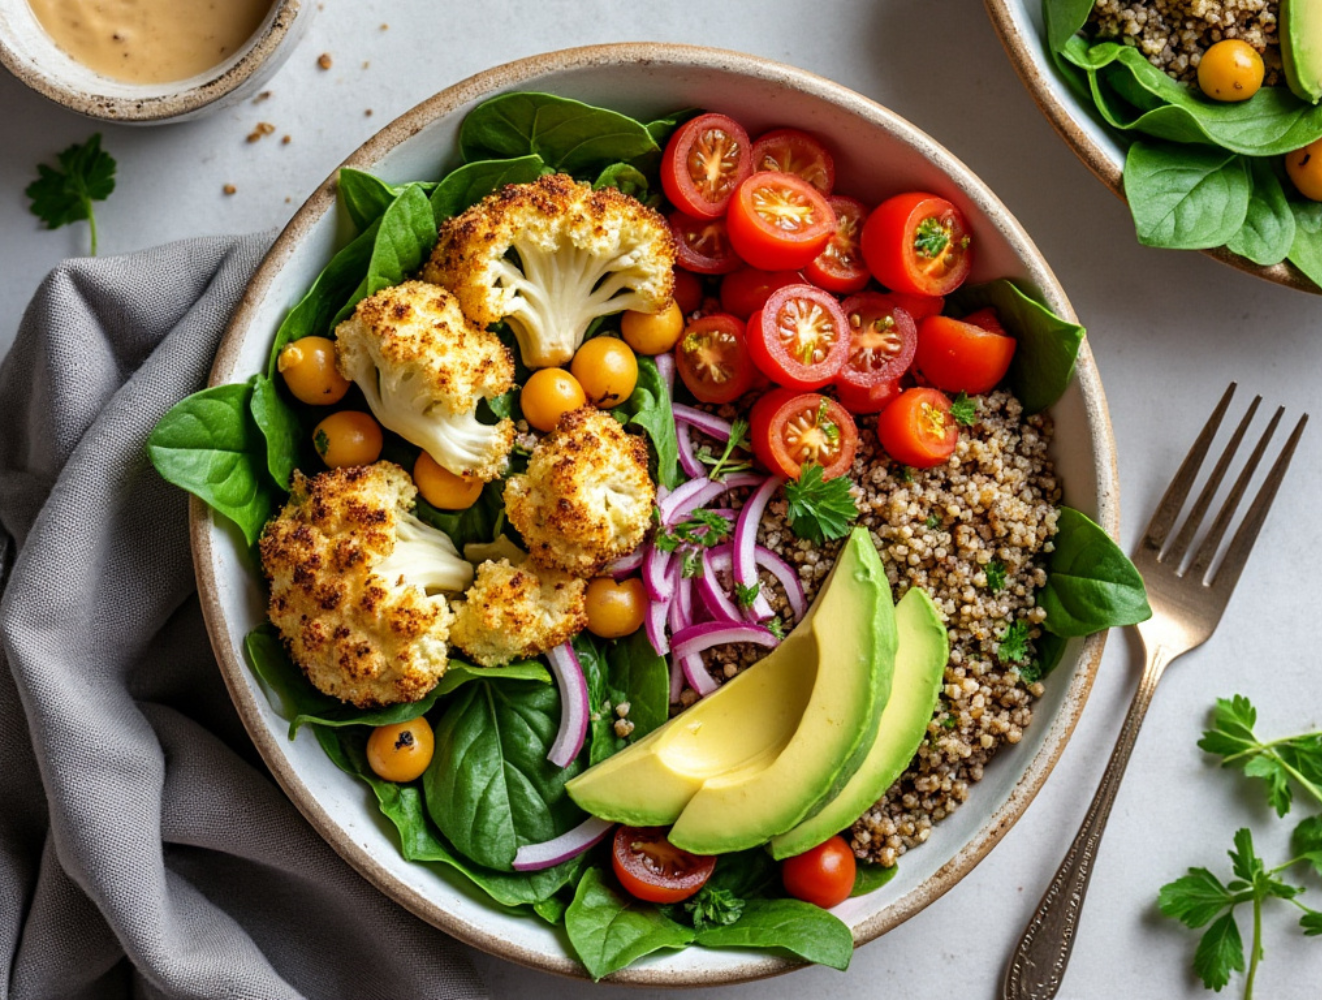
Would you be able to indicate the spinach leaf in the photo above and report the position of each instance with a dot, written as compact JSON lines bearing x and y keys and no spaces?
{"x":602,"y":741}
{"x":624,"y":177}
{"x":649,"y":408}
{"x":295,"y":697}
{"x":869,"y":877}
{"x":551,"y":910}
{"x":1268,"y":230}
{"x":662,"y":128}
{"x":469,"y":184}
{"x":209,"y":445}
{"x":636,"y":674}
{"x":570,"y":136}
{"x":1306,"y":249}
{"x":746,"y":874}
{"x":364,"y":197}
{"x":1050,"y":649}
{"x":786,"y":925}
{"x":280,"y":426}
{"x":479,"y":523}
{"x":458,"y":674}
{"x":1064,"y":19}
{"x":1048,"y":345}
{"x":609,"y":930}
{"x":1185,"y":197}
{"x":1091,"y":585}
{"x":490,"y":788}
{"x":404,"y":238}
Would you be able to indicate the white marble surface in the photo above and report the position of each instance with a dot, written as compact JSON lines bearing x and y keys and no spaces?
{"x":1169,"y":330}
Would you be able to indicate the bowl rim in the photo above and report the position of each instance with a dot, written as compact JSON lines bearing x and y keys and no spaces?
{"x":1020,"y":48}
{"x":167,"y":104}
{"x":512,"y":74}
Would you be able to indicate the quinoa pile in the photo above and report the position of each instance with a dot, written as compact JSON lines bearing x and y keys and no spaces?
{"x":1174,"y":34}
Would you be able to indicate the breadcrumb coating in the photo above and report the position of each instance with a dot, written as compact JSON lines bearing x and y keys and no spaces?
{"x":516,"y":612}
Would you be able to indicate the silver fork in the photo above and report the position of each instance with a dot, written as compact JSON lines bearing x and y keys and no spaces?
{"x":1186,"y":604}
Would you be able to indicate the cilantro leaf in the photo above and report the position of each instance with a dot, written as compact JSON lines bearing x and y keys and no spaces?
{"x":1220,"y":952}
{"x":964,"y":410}
{"x":1281,"y":764}
{"x":61,"y":197}
{"x":714,"y":907}
{"x":819,"y":509}
{"x":1013,"y":647}
{"x":995,"y":571}
{"x":1195,"y":899}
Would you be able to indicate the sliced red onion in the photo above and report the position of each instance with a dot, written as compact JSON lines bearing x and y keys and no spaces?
{"x":626,"y":565}
{"x":688,"y":458}
{"x":697,"y":674}
{"x":548,"y":854}
{"x":745,"y":543}
{"x":713,"y":594}
{"x":786,"y":576}
{"x":700,"y":492}
{"x":654,"y":624}
{"x":573,"y":705}
{"x":712,"y":426}
{"x":681,"y":608}
{"x":697,"y":638}
{"x":676,"y":680}
{"x":656,"y":574}
{"x":665,"y":367}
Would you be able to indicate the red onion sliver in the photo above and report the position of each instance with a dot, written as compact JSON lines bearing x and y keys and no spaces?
{"x":676,"y":680}
{"x":697,"y":674}
{"x":656,"y":574}
{"x":700,"y":492}
{"x":716,"y":599}
{"x":665,"y":367}
{"x":787,"y":576}
{"x":688,"y":458}
{"x":712,"y":426}
{"x":697,"y":638}
{"x":745,"y":543}
{"x":655,"y":626}
{"x":625,"y":565}
{"x":680,"y":614}
{"x":548,"y":854}
{"x":573,"y":705}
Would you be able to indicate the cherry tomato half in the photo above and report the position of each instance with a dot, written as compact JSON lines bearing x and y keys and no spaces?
{"x":703,"y":245}
{"x":789,"y":151}
{"x":713,"y":360}
{"x":745,"y":291}
{"x":989,"y":319}
{"x":883,"y":339}
{"x":704,"y":162}
{"x":651,"y":868}
{"x":919,"y":244}
{"x":823,"y":875}
{"x":868,"y":398}
{"x":959,"y":356}
{"x":917,"y":428}
{"x":800,"y":338}
{"x":788,"y":430}
{"x":779,"y":222}
{"x":918,"y":306}
{"x":840,"y":267}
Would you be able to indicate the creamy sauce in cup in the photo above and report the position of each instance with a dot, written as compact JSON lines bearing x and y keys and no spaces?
{"x":150,"y":41}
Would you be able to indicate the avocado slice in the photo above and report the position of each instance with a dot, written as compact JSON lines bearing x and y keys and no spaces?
{"x":848,"y":644}
{"x":920,"y":666}
{"x":1301,"y":47}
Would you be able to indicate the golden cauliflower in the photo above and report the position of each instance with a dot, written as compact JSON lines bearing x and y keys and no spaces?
{"x":423,"y":368}
{"x":357,"y":582}
{"x":586,"y":498}
{"x":513,"y":612}
{"x":550,"y":257}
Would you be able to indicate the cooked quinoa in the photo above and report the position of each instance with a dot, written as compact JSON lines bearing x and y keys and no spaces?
{"x":1174,"y":34}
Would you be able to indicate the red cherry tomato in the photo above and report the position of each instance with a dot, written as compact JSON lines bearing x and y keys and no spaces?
{"x":957,"y":356}
{"x":704,"y":162}
{"x":918,"y":306}
{"x":800,"y":338}
{"x":688,"y":291}
{"x":883,"y":339}
{"x":917,"y":428}
{"x":703,"y":244}
{"x":788,"y":430}
{"x":840,"y":267}
{"x":650,"y":867}
{"x":789,"y":151}
{"x":745,"y":291}
{"x":868,"y":398}
{"x":918,"y":244}
{"x":988,"y":319}
{"x":779,"y":222}
{"x":823,"y":875}
{"x":713,"y":360}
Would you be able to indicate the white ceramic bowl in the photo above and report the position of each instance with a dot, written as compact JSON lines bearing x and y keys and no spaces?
{"x":877,"y":154}
{"x":28,"y":52}
{"x":1019,"y":23}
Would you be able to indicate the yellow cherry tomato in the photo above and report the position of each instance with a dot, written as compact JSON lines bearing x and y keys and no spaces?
{"x":1305,"y":168}
{"x":401,"y":752}
{"x":607,"y":369}
{"x":653,"y":333}
{"x":615,"y":608}
{"x":548,"y":395}
{"x":1230,"y":70}
{"x":442,"y":488}
{"x":347,"y":438}
{"x":308,"y":366}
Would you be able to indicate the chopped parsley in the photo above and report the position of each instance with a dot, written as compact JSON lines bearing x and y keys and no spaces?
{"x":965,"y":410}
{"x":1014,"y":644}
{"x":705,"y":529}
{"x":933,"y":521}
{"x":746,"y":595}
{"x":714,"y":907}
{"x":776,"y":627}
{"x":727,"y":463}
{"x":64,"y":196}
{"x":931,"y":238}
{"x":819,"y":508}
{"x":995,"y":571}
{"x":691,"y":564}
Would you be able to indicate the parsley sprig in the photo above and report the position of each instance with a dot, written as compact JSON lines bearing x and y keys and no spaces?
{"x":1013,"y":647}
{"x":964,"y":410}
{"x":64,"y":196}
{"x":1281,"y":762}
{"x":995,"y":571}
{"x":728,"y":462}
{"x":714,"y":907}
{"x":704,"y":529}
{"x":819,"y":508}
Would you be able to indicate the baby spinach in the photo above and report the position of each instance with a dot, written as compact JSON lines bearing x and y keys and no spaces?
{"x":1091,"y":585}
{"x":610,"y":930}
{"x":280,"y":427}
{"x":1268,"y":230}
{"x":786,"y":925}
{"x":552,"y":910}
{"x":1306,"y":248}
{"x":1186,"y":197}
{"x":870,"y":876}
{"x":210,"y":445}
{"x":404,"y":238}
{"x":636,"y":674}
{"x":747,"y":873}
{"x":1064,"y":19}
{"x":295,"y":696}
{"x":480,"y":522}
{"x":625,"y":178}
{"x":469,"y":184}
{"x":649,"y":408}
{"x":364,"y":197}
{"x":490,"y":788}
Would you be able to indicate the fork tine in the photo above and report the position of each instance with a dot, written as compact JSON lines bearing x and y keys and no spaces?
{"x":1207,"y":551}
{"x":1178,"y":491}
{"x":1242,"y":544}
{"x":1174,"y":553}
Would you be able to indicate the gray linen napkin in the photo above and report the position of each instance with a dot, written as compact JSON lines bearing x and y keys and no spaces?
{"x":144,"y":851}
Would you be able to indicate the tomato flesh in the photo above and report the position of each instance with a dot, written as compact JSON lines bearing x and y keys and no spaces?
{"x":779,"y":222}
{"x":918,"y":306}
{"x":688,"y":291}
{"x":651,"y":868}
{"x":959,"y":356}
{"x":800,"y":338}
{"x":868,"y":398}
{"x":788,"y":430}
{"x":823,"y":876}
{"x":745,"y":291}
{"x":840,"y":267}
{"x":789,"y":151}
{"x":883,"y":340}
{"x":703,"y":245}
{"x":713,"y":360}
{"x":918,"y":244}
{"x":705,"y":160}
{"x":917,"y":428}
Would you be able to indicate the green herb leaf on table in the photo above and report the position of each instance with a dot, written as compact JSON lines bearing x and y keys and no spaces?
{"x":1306,"y":842}
{"x":1269,"y":227}
{"x":1186,"y":198}
{"x":819,"y":508}
{"x":404,"y":238}
{"x":60,"y":197}
{"x":786,"y":925}
{"x":610,"y":930}
{"x":649,"y":408}
{"x":1091,"y":585}
{"x":467,"y":185}
{"x":1278,"y":763}
{"x":870,"y":876}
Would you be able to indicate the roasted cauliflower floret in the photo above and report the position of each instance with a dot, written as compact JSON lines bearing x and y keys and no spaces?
{"x":423,"y":368}
{"x":357,"y":582}
{"x":513,"y":612}
{"x":586,"y":498}
{"x":550,"y":257}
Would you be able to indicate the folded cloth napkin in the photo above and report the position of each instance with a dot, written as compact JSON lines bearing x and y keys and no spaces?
{"x":144,"y":850}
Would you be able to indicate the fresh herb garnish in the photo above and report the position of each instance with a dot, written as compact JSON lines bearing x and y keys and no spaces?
{"x":1014,"y":644}
{"x":321,"y":442}
{"x":61,"y":197}
{"x":819,"y":508}
{"x":727,"y":463}
{"x":931,"y":238}
{"x":964,"y":410}
{"x":933,"y":521}
{"x":746,"y":596}
{"x":1277,"y":762}
{"x":995,"y":571}
{"x":691,"y":564}
{"x":776,"y":627}
{"x":714,"y":907}
{"x":906,"y":474}
{"x":824,"y":422}
{"x":705,"y":529}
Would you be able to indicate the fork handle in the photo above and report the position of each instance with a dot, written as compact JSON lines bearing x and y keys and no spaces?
{"x":1038,"y":963}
